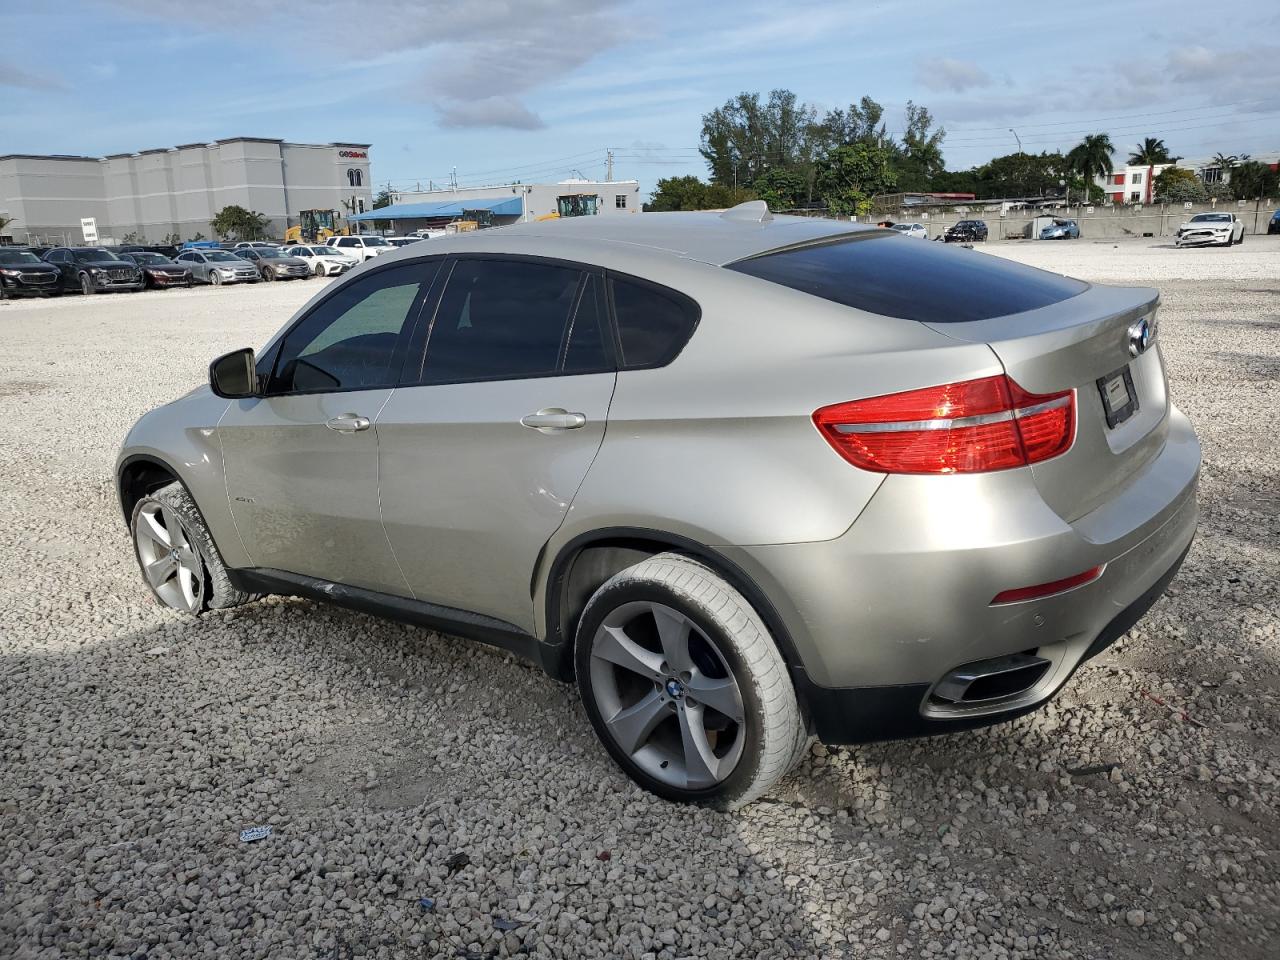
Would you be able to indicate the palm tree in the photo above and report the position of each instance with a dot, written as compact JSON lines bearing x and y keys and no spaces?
{"x":1227,"y":161}
{"x":1150,"y":152}
{"x":1091,"y":158}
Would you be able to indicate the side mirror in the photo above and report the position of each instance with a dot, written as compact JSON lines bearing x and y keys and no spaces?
{"x":234,"y":375}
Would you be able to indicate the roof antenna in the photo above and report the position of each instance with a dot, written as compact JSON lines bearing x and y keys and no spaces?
{"x":752,"y":211}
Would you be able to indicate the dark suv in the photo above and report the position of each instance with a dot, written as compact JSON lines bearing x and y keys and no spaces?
{"x":966,"y":231}
{"x":94,"y":269}
{"x":21,"y":271}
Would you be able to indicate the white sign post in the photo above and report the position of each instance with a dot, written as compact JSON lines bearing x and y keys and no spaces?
{"x":89,"y":227}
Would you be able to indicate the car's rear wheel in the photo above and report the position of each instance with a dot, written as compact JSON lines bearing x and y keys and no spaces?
{"x":177,"y":555}
{"x":685,"y":686}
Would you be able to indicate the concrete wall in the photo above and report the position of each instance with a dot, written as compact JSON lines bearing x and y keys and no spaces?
{"x":1096,"y":222}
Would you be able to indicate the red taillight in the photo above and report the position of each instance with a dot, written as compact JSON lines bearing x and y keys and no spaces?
{"x":970,"y":427}
{"x":1047,"y":589}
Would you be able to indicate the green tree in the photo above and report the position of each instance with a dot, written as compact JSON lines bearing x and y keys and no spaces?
{"x":1150,"y":152}
{"x":1021,"y":175}
{"x":919,"y":160}
{"x":236,"y":223}
{"x":849,"y":176}
{"x":1251,"y":180}
{"x":747,"y":137}
{"x":1179,"y":185}
{"x":1091,"y":157}
{"x":198,"y":236}
{"x":690,"y":193}
{"x":4,"y":223}
{"x":782,"y":188}
{"x":1227,"y":161}
{"x":172,"y":239}
{"x":861,"y":123}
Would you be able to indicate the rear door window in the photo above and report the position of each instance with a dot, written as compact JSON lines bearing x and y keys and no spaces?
{"x":654,"y":323}
{"x":505,"y":320}
{"x":879,"y":273}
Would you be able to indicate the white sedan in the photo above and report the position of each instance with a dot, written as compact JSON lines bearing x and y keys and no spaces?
{"x":324,"y":261}
{"x":911,"y":230}
{"x":1210,"y":229}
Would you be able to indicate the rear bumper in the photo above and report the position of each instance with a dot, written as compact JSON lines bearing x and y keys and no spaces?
{"x":869,"y":714}
{"x":884,"y":613}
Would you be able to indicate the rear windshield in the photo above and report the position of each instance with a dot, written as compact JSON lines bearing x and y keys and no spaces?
{"x":893,"y":276}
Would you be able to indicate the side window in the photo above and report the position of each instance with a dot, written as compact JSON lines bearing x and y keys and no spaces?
{"x":500,"y":319}
{"x":348,"y":342}
{"x":347,"y":242}
{"x":654,"y":324}
{"x":585,"y":350}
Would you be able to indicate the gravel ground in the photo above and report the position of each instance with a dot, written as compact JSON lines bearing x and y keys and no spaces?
{"x":394,"y":764}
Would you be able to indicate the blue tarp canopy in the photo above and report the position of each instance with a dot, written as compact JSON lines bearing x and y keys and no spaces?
{"x":499,"y":207}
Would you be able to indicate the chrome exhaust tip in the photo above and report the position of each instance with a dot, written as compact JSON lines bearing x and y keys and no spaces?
{"x":985,"y":681}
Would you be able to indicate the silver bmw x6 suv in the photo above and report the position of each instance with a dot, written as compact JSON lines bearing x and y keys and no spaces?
{"x":746,"y":479}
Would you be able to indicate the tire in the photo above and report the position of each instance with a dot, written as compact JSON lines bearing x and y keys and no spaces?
{"x":215,"y":278}
{"x":714,"y":644}
{"x":198,"y":563}
{"x":86,"y":285}
{"x":319,"y":271}
{"x":268,"y":273}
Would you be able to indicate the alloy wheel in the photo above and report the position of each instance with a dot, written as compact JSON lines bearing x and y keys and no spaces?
{"x":169,"y":561}
{"x":667,"y":696}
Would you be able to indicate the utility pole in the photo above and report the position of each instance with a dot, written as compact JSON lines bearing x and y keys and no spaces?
{"x":608,"y":166}
{"x":1016,"y":137}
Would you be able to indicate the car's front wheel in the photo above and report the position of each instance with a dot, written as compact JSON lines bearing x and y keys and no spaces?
{"x":86,"y":284}
{"x":177,"y":555}
{"x":685,"y":686}
{"x":215,"y":278}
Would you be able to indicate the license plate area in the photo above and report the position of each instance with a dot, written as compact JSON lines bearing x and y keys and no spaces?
{"x":1119,"y":398}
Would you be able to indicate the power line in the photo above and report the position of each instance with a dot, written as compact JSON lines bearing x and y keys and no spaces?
{"x":1125,"y":116}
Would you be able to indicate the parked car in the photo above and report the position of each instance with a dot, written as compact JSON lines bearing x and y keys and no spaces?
{"x":1061,"y":230}
{"x":1210,"y":229}
{"x":160,"y":271}
{"x":911,"y":230}
{"x":22,"y":272}
{"x":966,"y":479}
{"x":1273,"y":225}
{"x":966,"y":231}
{"x":324,"y":261}
{"x":164,"y":249}
{"x":255,"y":244}
{"x":361,"y":247}
{"x":403,"y":241}
{"x":94,"y":270}
{"x":274,"y":264}
{"x":218,"y":267}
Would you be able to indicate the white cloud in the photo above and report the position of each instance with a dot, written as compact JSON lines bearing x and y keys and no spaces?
{"x":480,"y":60}
{"x":11,"y":76}
{"x":955,"y":76}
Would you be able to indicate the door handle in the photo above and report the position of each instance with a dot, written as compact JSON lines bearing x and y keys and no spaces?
{"x":554,"y":418}
{"x":348,"y":423}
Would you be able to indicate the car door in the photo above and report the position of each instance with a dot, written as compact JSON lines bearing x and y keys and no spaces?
{"x":301,"y":461}
{"x":61,"y":259}
{"x":487,"y":440}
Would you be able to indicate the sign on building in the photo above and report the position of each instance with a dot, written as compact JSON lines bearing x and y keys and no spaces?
{"x":89,"y":227}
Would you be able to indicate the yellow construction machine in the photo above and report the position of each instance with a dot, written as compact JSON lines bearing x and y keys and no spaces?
{"x":316,"y":226}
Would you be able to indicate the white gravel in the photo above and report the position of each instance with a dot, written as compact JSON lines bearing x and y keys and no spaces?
{"x":394,"y":764}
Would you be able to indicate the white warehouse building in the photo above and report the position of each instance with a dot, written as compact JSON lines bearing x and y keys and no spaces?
{"x":154,"y":194}
{"x":509,"y":203}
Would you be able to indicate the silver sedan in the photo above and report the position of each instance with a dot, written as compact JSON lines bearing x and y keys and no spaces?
{"x":275,"y":265}
{"x":744,"y":479}
{"x":218,"y":267}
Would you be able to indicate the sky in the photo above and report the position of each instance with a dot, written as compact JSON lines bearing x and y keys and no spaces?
{"x":539,"y":90}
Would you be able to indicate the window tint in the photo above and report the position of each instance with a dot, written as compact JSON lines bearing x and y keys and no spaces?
{"x":500,"y":319}
{"x":585,"y":351}
{"x":915,"y":281}
{"x":653,"y":324}
{"x":349,"y":341}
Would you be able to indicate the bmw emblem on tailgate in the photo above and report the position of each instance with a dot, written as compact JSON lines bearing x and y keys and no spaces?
{"x":1140,"y":334}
